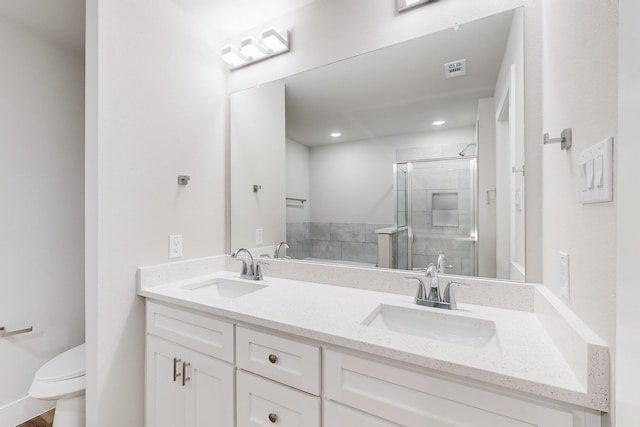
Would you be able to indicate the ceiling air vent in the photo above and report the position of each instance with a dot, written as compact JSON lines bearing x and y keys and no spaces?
{"x":455,"y":69}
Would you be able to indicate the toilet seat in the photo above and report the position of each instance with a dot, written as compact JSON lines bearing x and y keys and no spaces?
{"x":62,"y":376}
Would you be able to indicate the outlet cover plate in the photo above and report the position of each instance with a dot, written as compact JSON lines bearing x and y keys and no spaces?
{"x":175,"y":246}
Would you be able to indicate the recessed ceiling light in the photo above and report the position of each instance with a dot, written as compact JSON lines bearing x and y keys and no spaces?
{"x":438,"y":122}
{"x":335,"y":134}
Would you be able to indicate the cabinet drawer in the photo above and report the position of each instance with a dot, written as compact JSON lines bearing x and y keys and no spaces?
{"x":413,"y":399}
{"x":201,"y":333}
{"x":337,"y":415}
{"x":262,"y":402}
{"x":283,"y":360}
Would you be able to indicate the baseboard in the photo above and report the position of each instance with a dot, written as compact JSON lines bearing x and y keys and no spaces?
{"x":24,"y":409}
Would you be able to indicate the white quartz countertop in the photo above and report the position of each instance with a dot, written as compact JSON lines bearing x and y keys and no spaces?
{"x":525,"y":359}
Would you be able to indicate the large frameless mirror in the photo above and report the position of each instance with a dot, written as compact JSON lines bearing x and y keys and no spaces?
{"x":391,"y":159}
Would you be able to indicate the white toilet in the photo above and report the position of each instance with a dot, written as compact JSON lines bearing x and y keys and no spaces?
{"x":63,"y":379}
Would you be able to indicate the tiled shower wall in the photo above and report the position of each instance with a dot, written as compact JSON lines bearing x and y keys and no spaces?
{"x":447,"y":177}
{"x":354,"y":242}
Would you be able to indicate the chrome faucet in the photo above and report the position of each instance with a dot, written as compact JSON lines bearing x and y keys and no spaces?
{"x":276,"y":254}
{"x":251,"y":270}
{"x":432,"y":297}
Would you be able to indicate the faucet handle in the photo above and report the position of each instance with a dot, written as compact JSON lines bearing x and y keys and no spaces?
{"x":421,"y":293}
{"x":448,"y":292}
{"x":258,"y":273}
{"x":245,"y":268}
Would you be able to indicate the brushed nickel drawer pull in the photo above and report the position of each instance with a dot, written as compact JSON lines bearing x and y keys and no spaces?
{"x":273,"y":358}
{"x":273,"y":418}
{"x":185,"y":365}
{"x":176,"y":374}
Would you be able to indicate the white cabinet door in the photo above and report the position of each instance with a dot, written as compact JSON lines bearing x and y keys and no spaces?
{"x":185,"y":388}
{"x":413,"y":399}
{"x":337,"y":415}
{"x":209,"y":384}
{"x":164,"y":397}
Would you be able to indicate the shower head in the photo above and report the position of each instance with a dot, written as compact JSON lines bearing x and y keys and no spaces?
{"x":464,"y":150}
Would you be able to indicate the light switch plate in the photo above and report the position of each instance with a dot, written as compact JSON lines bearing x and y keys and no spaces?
{"x":175,"y":246}
{"x":259,"y":233}
{"x":595,"y":173}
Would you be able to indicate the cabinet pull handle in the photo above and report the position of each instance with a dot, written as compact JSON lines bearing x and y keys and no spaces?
{"x":176,"y":374}
{"x":185,"y":365}
{"x":273,"y":358}
{"x":273,"y":418}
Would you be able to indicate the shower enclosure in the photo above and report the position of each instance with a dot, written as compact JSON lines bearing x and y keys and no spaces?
{"x":436,"y":211}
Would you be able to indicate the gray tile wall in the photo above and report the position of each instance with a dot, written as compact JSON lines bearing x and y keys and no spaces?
{"x":334,"y":241}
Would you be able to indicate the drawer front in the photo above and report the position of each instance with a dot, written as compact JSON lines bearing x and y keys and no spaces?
{"x":262,"y":403}
{"x":198,"y":332}
{"x":283,"y":360}
{"x":412,"y":399}
{"x":337,"y":415}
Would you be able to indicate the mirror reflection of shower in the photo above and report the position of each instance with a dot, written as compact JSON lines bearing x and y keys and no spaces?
{"x":437,"y":212}
{"x":463,"y":152}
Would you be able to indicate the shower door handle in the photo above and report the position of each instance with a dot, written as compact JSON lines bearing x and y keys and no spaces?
{"x":4,"y":333}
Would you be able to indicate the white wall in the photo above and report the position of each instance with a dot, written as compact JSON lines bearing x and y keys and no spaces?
{"x":486,"y":135}
{"x":297,"y":170}
{"x":330,"y":30}
{"x":353,"y":181}
{"x":580,"y":89}
{"x":258,"y":140}
{"x":510,"y":153}
{"x":41,"y":183}
{"x":628,"y":231}
{"x":155,"y":110}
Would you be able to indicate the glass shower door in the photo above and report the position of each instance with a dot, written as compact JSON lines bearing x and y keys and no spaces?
{"x":402,"y":249}
{"x":441,"y":214}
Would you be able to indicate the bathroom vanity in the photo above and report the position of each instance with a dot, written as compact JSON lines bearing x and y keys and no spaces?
{"x":225,"y":351}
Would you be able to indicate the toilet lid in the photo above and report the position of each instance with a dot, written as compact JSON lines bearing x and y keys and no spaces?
{"x":70,"y":364}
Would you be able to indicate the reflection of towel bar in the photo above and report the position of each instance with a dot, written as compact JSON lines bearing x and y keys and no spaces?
{"x":5,"y":333}
{"x":294,"y":199}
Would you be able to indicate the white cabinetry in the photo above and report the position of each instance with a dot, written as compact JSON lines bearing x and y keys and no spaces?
{"x":184,"y":387}
{"x":262,"y":402}
{"x":268,"y":401}
{"x":398,"y":396}
{"x":283,"y":381}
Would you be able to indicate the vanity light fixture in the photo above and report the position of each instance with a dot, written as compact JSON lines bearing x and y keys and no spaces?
{"x":438,"y":122}
{"x":232,"y":56}
{"x":403,"y":5}
{"x":250,"y":47}
{"x":251,"y":50}
{"x":335,"y":134}
{"x":275,"y":41}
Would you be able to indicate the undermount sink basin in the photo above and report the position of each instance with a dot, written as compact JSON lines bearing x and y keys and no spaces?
{"x":477,"y":333}
{"x":225,"y":288}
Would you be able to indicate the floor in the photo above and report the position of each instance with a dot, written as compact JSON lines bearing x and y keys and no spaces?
{"x":44,"y":420}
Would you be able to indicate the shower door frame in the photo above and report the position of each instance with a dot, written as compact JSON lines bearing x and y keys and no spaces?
{"x":473,"y":232}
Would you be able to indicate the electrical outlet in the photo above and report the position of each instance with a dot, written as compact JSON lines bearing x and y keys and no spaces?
{"x":564,"y":274}
{"x":259,"y":233}
{"x":175,"y":246}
